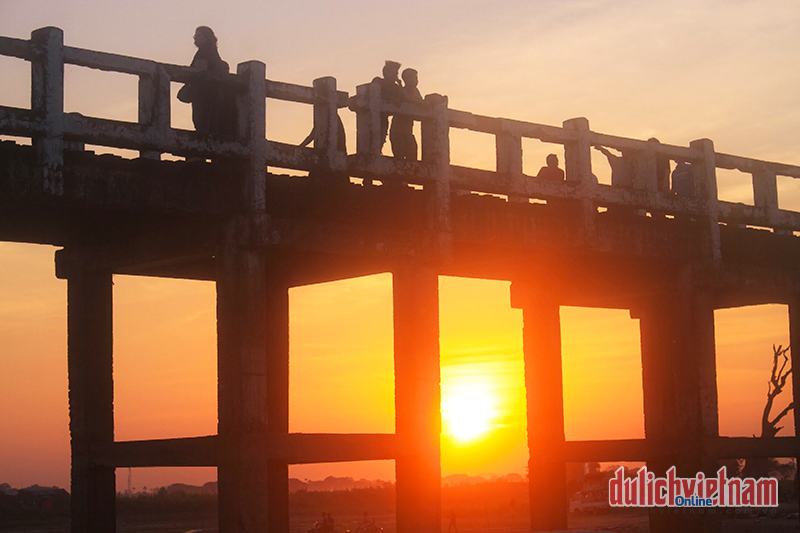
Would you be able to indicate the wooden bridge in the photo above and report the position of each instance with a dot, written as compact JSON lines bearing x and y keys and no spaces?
{"x":224,"y":215}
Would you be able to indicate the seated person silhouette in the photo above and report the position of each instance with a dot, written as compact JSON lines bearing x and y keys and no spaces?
{"x":404,"y":144}
{"x":551,"y":171}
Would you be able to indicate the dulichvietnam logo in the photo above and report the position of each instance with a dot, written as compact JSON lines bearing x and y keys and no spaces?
{"x":646,"y":490}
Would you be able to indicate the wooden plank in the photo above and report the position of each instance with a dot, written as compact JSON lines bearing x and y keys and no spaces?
{"x":748,"y":165}
{"x":751,"y":447}
{"x":291,"y":92}
{"x":19,"y":48}
{"x":195,"y":451}
{"x":136,"y":136}
{"x":109,"y":62}
{"x":417,"y":398}
{"x":21,"y":122}
{"x":91,"y":398}
{"x":292,"y":448}
{"x":541,"y":346}
{"x":473,"y":122}
{"x":602,"y":451}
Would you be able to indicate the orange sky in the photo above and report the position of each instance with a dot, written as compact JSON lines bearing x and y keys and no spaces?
{"x":674,"y":69}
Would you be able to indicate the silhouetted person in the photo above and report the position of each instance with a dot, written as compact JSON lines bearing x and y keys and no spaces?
{"x":452,"y":524}
{"x":682,"y":179}
{"x":337,"y":177}
{"x":551,"y":171}
{"x":341,"y":141}
{"x":330,"y":526}
{"x":211,"y":113}
{"x":391,"y":91}
{"x":621,"y":167}
{"x":404,"y":144}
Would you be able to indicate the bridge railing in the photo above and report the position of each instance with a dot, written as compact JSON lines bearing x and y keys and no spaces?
{"x":50,"y":127}
{"x":641,"y":193}
{"x":152,"y":135}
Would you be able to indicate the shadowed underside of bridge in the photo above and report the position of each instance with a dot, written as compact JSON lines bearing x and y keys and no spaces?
{"x":671,"y":260}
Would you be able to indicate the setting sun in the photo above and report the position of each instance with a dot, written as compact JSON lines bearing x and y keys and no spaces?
{"x":468,"y":408}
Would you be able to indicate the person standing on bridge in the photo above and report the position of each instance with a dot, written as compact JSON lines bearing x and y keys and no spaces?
{"x":404,"y":144}
{"x":621,"y":167}
{"x":391,"y":91}
{"x":204,"y":92}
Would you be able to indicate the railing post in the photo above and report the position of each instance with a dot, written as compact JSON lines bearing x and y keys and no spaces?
{"x":154,"y":108}
{"x":436,"y":152}
{"x":705,"y":188}
{"x":578,"y":163}
{"x":252,"y":113}
{"x":578,"y":155}
{"x":326,"y":124}
{"x":47,"y":101}
{"x":508,"y":147}
{"x":765,"y":194}
{"x":644,"y":171}
{"x":368,"y":119}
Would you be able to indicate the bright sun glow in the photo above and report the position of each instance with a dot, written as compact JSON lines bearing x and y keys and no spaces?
{"x":468,"y":408}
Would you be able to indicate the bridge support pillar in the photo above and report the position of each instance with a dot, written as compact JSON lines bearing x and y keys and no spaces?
{"x":253,"y":344}
{"x":794,"y":341}
{"x":680,"y":394}
{"x":91,"y":398}
{"x":417,"y":399}
{"x":541,"y":341}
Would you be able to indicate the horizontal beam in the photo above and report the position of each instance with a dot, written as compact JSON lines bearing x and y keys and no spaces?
{"x":748,"y":165}
{"x":528,"y":186}
{"x":196,"y":451}
{"x":302,"y":94}
{"x":18,"y":121}
{"x":293,"y":448}
{"x":604,"y":451}
{"x":305,"y":448}
{"x":753,"y":447}
{"x":19,"y":48}
{"x":738,"y":213}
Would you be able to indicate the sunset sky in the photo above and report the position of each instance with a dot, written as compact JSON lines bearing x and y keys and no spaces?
{"x":677,"y":70}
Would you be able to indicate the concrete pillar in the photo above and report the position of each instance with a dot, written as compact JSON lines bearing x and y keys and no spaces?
{"x":436,"y":152}
{"x":47,"y":102}
{"x":417,"y":398}
{"x":252,"y":123}
{"x":369,"y":138}
{"x":326,"y":123}
{"x":91,"y":398}
{"x":578,"y":167}
{"x":508,"y":147}
{"x":277,"y":327}
{"x":705,"y":187}
{"x":253,"y":340}
{"x":794,"y":341}
{"x":680,"y":393}
{"x":541,"y":341}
